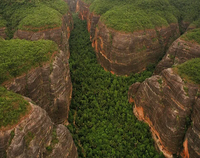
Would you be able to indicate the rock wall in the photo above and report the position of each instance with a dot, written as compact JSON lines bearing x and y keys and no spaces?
{"x":179,"y":52}
{"x":3,"y":32}
{"x":49,"y":86}
{"x":32,"y":136}
{"x":124,"y":53}
{"x":165,"y":102}
{"x":60,"y":35}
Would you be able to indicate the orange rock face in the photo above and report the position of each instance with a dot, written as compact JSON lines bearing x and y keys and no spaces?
{"x":165,"y":106}
{"x":179,"y":52}
{"x":124,"y":53}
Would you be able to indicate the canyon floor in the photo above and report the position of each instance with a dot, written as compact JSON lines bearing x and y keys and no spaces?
{"x":101,"y":120}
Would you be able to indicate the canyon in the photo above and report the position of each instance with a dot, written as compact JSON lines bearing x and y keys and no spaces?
{"x":163,"y":99}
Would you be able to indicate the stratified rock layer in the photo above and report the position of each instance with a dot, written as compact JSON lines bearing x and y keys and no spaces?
{"x":60,"y":35}
{"x":179,"y":52}
{"x":49,"y":86}
{"x":33,"y":134}
{"x":124,"y":53}
{"x":166,"y":103}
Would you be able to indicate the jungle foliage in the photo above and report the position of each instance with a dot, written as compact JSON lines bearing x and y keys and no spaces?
{"x":32,"y":15}
{"x":12,"y":107}
{"x":101,"y":119}
{"x":190,"y":70}
{"x":19,"y":56}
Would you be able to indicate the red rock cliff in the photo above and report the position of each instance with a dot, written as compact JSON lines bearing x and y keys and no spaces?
{"x":124,"y":53}
{"x":34,"y":134}
{"x":166,"y":102}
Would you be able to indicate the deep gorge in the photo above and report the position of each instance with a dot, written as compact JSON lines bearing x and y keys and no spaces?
{"x":100,"y":117}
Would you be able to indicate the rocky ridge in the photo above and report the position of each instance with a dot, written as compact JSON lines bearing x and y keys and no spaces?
{"x":179,"y":52}
{"x":36,"y":136}
{"x":166,"y":103}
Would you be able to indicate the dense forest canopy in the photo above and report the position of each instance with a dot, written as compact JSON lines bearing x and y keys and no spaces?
{"x":101,"y":119}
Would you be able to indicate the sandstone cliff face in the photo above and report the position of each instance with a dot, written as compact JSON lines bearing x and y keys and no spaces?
{"x":3,"y":32}
{"x":124,"y":53}
{"x":60,"y":35}
{"x":179,"y":52}
{"x":33,"y":134}
{"x":165,"y":102}
{"x":192,"y":140}
{"x":49,"y":86}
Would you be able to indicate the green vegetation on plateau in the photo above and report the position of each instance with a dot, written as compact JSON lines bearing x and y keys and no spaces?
{"x":133,"y":15}
{"x":12,"y":107}
{"x":101,"y":119}
{"x":32,"y":15}
{"x":19,"y":56}
{"x":2,"y":22}
{"x":190,"y":70}
{"x":192,"y":35}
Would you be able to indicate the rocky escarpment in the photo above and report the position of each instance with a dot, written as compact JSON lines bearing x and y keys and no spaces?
{"x":179,"y":52}
{"x":60,"y":35}
{"x":124,"y":53}
{"x":35,"y":135}
{"x":49,"y":86}
{"x":166,"y":103}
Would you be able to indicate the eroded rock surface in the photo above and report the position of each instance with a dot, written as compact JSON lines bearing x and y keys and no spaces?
{"x":60,"y":35}
{"x":166,"y":103}
{"x":32,"y":136}
{"x":179,"y":52}
{"x":124,"y":53}
{"x":49,"y":86}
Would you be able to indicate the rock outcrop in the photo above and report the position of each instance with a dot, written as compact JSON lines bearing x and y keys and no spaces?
{"x":179,"y":52}
{"x":125,"y":53}
{"x":34,"y":136}
{"x":49,"y":86}
{"x":166,"y":103}
{"x":3,"y":32}
{"x":60,"y":35}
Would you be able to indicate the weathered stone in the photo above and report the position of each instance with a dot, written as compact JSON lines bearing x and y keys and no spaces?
{"x":33,"y":134}
{"x":165,"y":102}
{"x":49,"y":86}
{"x":125,"y":53}
{"x":192,"y":140}
{"x":179,"y":52}
{"x":60,"y":35}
